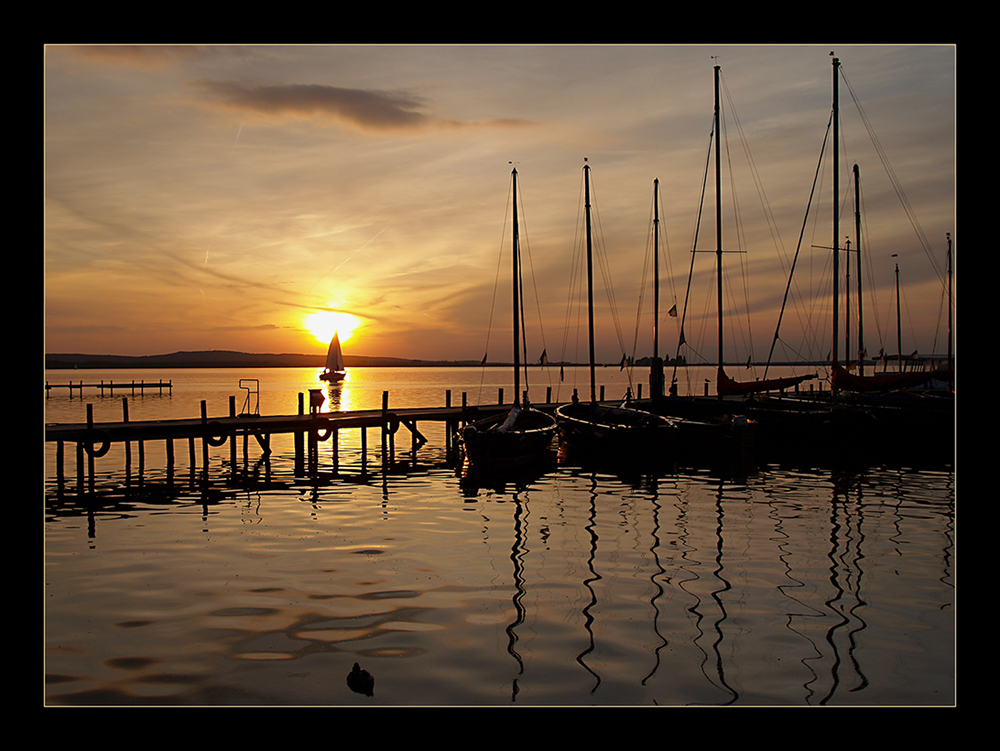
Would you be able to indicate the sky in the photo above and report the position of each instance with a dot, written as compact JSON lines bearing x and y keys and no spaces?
{"x":249,"y":197}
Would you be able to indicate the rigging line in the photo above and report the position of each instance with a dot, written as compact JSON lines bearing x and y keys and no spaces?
{"x":897,"y":186}
{"x":798,"y":247}
{"x":601,"y":256}
{"x":642,"y":291}
{"x":496,"y":284}
{"x":741,"y":245}
{"x":575,"y":282}
{"x":681,"y":339}
{"x":755,"y":173}
{"x":524,"y":247}
{"x":870,"y":273}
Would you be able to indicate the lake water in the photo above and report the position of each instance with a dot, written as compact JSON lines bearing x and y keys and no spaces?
{"x":784,"y":585}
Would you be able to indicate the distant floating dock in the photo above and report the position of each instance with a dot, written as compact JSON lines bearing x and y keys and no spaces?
{"x":110,"y":386}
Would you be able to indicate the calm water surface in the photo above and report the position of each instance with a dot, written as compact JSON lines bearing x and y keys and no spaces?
{"x":782,"y":586}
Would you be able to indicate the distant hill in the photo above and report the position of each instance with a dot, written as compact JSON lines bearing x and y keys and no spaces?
{"x":228,"y":359}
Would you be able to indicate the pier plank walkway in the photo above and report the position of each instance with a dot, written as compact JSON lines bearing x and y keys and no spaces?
{"x":196,"y":427}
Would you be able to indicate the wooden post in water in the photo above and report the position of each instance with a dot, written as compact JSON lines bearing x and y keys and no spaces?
{"x":170,"y":462}
{"x":191,"y":458}
{"x":298,"y":442}
{"x":448,"y":427}
{"x":79,"y":469}
{"x":232,"y":438}
{"x":364,"y":451}
{"x":128,"y":444}
{"x":90,"y":455}
{"x":204,"y":440}
{"x":60,"y":480}
{"x":388,"y":447}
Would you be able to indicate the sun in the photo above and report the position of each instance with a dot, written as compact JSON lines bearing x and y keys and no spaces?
{"x":324,"y":323}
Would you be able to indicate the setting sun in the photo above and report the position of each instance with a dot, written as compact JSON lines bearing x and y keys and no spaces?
{"x":323,"y":324}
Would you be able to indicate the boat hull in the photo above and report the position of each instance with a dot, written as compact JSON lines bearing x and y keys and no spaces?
{"x":521,"y":437}
{"x":613,"y":435}
{"x":333,"y":376}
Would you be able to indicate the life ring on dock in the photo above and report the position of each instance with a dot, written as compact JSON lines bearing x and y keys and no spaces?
{"x":99,"y":437}
{"x":321,"y":428}
{"x":216,"y":429}
{"x":392,"y":423}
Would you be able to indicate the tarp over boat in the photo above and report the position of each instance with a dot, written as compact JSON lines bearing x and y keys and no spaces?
{"x":845,"y":381}
{"x":728,"y":387}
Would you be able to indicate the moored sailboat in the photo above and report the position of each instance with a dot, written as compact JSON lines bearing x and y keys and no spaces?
{"x":594,"y":431}
{"x":901,"y":413}
{"x":522,"y":436}
{"x":335,"y":369}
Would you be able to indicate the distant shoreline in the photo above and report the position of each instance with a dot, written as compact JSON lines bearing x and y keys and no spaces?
{"x":228,"y":359}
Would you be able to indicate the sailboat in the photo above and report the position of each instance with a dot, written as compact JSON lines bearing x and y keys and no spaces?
{"x":726,"y":386}
{"x":335,"y":370}
{"x":721,"y":439}
{"x":596,"y":431}
{"x":842,"y":379}
{"x":522,"y":436}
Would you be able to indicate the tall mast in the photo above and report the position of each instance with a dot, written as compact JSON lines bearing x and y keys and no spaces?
{"x":949,"y":303}
{"x":656,"y":269}
{"x":857,"y":238}
{"x":718,"y":214}
{"x":836,"y":201}
{"x":899,"y":330}
{"x":516,"y":278}
{"x":590,"y":285}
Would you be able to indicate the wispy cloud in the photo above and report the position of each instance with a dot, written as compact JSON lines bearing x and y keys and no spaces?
{"x":367,"y":110}
{"x":134,"y":56}
{"x":364,"y":109}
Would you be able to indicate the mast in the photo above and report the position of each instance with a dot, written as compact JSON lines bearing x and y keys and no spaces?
{"x":590,"y":285}
{"x":857,"y":233}
{"x":718,"y":216}
{"x":656,"y":384}
{"x":836,"y":201}
{"x":950,"y":364}
{"x":899,"y":330}
{"x":656,"y":270}
{"x":515,"y":278}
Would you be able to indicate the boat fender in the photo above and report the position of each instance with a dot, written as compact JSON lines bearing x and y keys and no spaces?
{"x":99,"y":437}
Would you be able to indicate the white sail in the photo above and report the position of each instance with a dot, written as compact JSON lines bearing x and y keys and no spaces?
{"x":334,"y":361}
{"x":334,"y":357}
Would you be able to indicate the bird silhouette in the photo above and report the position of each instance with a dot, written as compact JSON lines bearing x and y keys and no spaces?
{"x":361,"y":681}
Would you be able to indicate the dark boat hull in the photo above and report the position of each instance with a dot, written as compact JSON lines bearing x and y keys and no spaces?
{"x":527,"y":439}
{"x":613,"y":435}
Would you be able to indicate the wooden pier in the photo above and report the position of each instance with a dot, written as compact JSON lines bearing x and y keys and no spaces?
{"x":309,"y":428}
{"x":130,"y":386}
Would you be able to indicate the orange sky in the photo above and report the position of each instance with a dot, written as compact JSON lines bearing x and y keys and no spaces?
{"x":224,"y":197}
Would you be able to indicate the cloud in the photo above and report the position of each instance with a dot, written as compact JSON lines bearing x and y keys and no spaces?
{"x":137,"y":56}
{"x":366,"y":110}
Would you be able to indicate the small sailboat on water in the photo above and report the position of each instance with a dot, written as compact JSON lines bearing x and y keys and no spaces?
{"x":335,"y":370}
{"x":595,"y":431}
{"x":523,"y":435}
